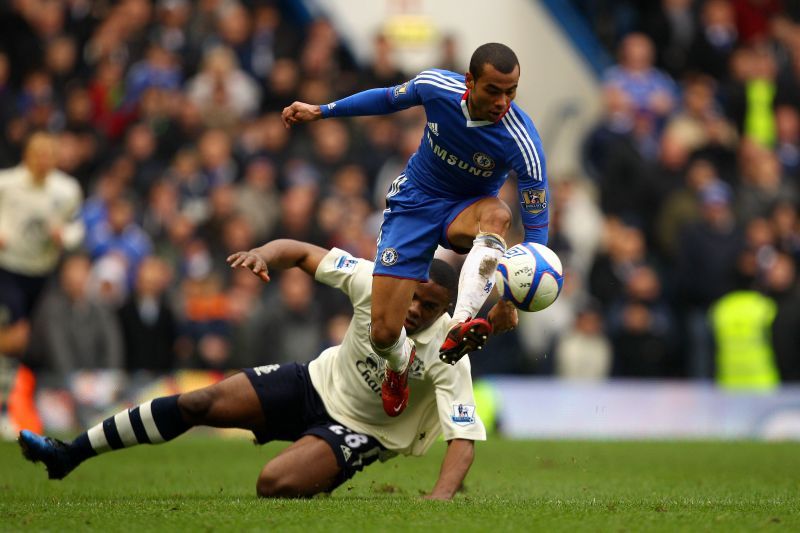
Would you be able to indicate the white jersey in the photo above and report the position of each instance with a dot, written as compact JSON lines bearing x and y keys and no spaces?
{"x":348,"y":377}
{"x":29,"y":212}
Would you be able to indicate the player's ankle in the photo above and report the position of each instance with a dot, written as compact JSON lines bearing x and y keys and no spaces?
{"x":460,"y":317}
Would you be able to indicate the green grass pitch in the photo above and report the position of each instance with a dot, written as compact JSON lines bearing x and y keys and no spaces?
{"x":208,"y":484}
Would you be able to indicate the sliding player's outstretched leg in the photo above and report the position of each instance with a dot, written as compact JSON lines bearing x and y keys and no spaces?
{"x":230,"y":403}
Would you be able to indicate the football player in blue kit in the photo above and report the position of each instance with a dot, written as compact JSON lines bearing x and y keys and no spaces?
{"x":447,"y":194}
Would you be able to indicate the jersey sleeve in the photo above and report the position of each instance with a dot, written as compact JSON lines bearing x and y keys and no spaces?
{"x":455,"y":402}
{"x":351,"y":275}
{"x":380,"y":101}
{"x":526,"y":158}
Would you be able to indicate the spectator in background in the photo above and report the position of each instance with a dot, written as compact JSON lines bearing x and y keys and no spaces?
{"x":619,"y":152}
{"x":205,"y":314}
{"x":787,"y":149}
{"x":642,"y":329}
{"x":762,"y":184}
{"x":7,"y":98}
{"x":141,"y":147}
{"x":110,"y":185}
{"x":782,"y":286}
{"x":583,"y":352}
{"x":682,"y":207}
{"x":161,"y":210}
{"x":248,"y":314}
{"x":331,"y":146}
{"x":105,"y":91}
{"x":217,"y":165}
{"x":298,"y":215}
{"x":192,"y":185}
{"x":72,"y":330}
{"x":706,"y":270}
{"x":149,"y":328}
{"x":281,"y":86}
{"x":448,"y":56}
{"x":624,"y":251}
{"x":672,"y":26}
{"x":257,"y":198}
{"x":170,"y":30}
{"x":234,"y":31}
{"x":715,"y":40}
{"x":237,"y":234}
{"x":158,"y":69}
{"x":292,"y":321}
{"x":750,"y":94}
{"x":698,"y":123}
{"x":788,"y":90}
{"x":222,"y":202}
{"x":121,"y":236}
{"x":786,"y":225}
{"x":61,"y":60}
{"x":383,"y":70}
{"x":276,"y":140}
{"x":742,"y":321}
{"x":651,"y":90}
{"x":183,"y":128}
{"x":223,"y":92}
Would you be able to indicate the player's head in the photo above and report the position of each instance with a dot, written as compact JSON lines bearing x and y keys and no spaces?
{"x":492,"y":81}
{"x":432,"y":298}
{"x":40,"y":154}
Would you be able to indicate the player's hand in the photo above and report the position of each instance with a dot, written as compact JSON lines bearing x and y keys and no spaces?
{"x":300,"y":112}
{"x":503,"y":317}
{"x":57,"y":238}
{"x":251,"y":261}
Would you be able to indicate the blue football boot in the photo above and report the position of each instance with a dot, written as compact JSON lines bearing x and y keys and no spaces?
{"x":52,"y":452}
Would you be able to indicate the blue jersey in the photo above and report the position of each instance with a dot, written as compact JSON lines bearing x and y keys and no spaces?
{"x":460,"y":157}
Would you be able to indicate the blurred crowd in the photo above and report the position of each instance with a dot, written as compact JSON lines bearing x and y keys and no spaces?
{"x":167,"y":113}
{"x":696,"y":164}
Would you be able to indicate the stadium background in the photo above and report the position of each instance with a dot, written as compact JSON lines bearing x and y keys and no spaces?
{"x":671,"y":190}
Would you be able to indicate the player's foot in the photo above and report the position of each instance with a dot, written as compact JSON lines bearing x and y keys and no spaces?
{"x":394,"y":389}
{"x":52,"y":452}
{"x":456,"y":345}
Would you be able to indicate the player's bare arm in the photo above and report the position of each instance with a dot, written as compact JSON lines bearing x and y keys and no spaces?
{"x":300,"y":112}
{"x":455,"y":465}
{"x":14,"y":338}
{"x":281,"y":254}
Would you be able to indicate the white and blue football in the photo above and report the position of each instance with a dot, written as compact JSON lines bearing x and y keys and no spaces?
{"x":530,"y":276}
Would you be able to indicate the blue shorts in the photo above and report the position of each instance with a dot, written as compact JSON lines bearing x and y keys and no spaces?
{"x":292,"y":409}
{"x":414,"y":224}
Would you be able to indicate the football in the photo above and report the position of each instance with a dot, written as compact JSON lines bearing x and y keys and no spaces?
{"x":530,"y":276}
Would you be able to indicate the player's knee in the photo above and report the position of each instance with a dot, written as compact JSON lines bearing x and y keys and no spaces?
{"x":381,"y":335}
{"x":496,"y":219}
{"x":270,"y":485}
{"x":195,"y":405}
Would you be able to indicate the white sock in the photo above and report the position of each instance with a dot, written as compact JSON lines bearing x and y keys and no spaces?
{"x":477,"y":275}
{"x":396,"y":355}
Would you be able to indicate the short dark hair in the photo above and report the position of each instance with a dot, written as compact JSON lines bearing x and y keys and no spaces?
{"x":441,"y":273}
{"x":497,"y":55}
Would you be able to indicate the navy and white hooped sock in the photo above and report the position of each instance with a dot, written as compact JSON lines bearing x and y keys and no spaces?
{"x":152,"y":422}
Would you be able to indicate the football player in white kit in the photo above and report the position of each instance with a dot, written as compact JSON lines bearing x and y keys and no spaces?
{"x":331,"y":408}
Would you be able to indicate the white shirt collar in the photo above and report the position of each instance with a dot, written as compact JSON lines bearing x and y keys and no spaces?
{"x":472,"y":123}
